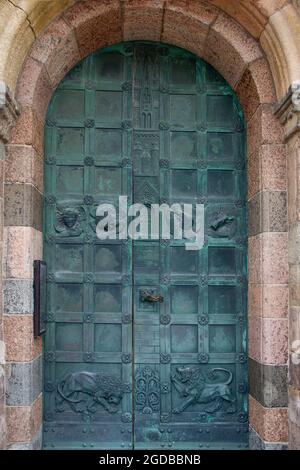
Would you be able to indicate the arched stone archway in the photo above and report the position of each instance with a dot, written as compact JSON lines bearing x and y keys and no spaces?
{"x":202,"y":28}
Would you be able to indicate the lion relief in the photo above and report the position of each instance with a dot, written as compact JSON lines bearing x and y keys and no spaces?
{"x":194,"y":388}
{"x":84,"y":391}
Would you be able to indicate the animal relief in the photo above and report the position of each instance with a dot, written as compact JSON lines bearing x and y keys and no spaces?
{"x":83,"y":392}
{"x":195,"y":388}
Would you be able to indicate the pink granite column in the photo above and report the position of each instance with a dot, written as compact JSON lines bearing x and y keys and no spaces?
{"x":288,"y":111}
{"x":8,"y":113}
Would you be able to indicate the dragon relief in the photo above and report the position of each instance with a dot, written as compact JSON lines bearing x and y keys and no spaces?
{"x":84,"y":391}
{"x":222,"y":225}
{"x":195,"y":388}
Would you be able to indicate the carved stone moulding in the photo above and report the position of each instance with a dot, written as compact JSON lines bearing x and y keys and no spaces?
{"x":9,"y":111}
{"x":288,"y":110}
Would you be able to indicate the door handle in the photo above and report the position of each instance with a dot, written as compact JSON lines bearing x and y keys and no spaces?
{"x":147,"y":297}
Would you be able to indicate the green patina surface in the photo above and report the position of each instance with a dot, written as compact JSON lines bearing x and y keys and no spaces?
{"x":157,"y":124}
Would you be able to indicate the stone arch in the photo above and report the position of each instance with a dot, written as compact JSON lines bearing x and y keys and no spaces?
{"x":275,"y":24}
{"x":202,"y":28}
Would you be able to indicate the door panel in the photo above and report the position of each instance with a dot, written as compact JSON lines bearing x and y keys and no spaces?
{"x":146,"y":341}
{"x":88,"y":344}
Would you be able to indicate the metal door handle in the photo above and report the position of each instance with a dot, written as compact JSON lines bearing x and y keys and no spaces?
{"x":147,"y":297}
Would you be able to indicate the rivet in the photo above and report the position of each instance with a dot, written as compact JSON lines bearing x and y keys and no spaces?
{"x":92,"y":445}
{"x":123,"y":445}
{"x":84,"y":430}
{"x":84,"y":444}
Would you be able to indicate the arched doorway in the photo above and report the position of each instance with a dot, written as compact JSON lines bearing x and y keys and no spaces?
{"x":122,"y":369}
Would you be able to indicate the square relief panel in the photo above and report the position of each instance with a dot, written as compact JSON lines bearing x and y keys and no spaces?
{"x":146,"y":258}
{"x":220,"y":111}
{"x":109,"y":66}
{"x":183,"y":147}
{"x":108,"y":145}
{"x":68,"y":105}
{"x":108,"y":259}
{"x":222,"y":338}
{"x":220,"y":183}
{"x":184,"y":338}
{"x":220,"y":146}
{"x":184,"y":183}
{"x":69,"y":258}
{"x":221,"y":260}
{"x":109,"y":106}
{"x":183,"y":110}
{"x":108,"y":337}
{"x":70,"y":297}
{"x":183,"y":72}
{"x":69,"y":180}
{"x":184,"y":299}
{"x":108,"y":181}
{"x":222,"y":299}
{"x":107,"y":298}
{"x":70,"y":143}
{"x":68,"y":337}
{"x":183,"y":261}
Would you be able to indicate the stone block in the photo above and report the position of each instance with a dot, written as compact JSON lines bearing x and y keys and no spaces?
{"x":96,"y":24}
{"x":275,"y":258}
{"x":29,"y":130}
{"x":142,"y":19}
{"x":23,"y":206}
{"x":23,"y":422}
{"x":34,"y":88}
{"x":263,"y":128}
{"x":23,"y":382}
{"x":228,"y":39}
{"x":255,"y":87}
{"x":57,"y":49}
{"x":18,"y":296}
{"x":268,"y":384}
{"x":22,"y":245}
{"x":271,"y":424}
{"x":24,"y":165}
{"x":274,"y":341}
{"x":20,"y":343}
{"x":255,"y":259}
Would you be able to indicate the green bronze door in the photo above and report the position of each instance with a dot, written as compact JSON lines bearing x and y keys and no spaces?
{"x":146,"y":344}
